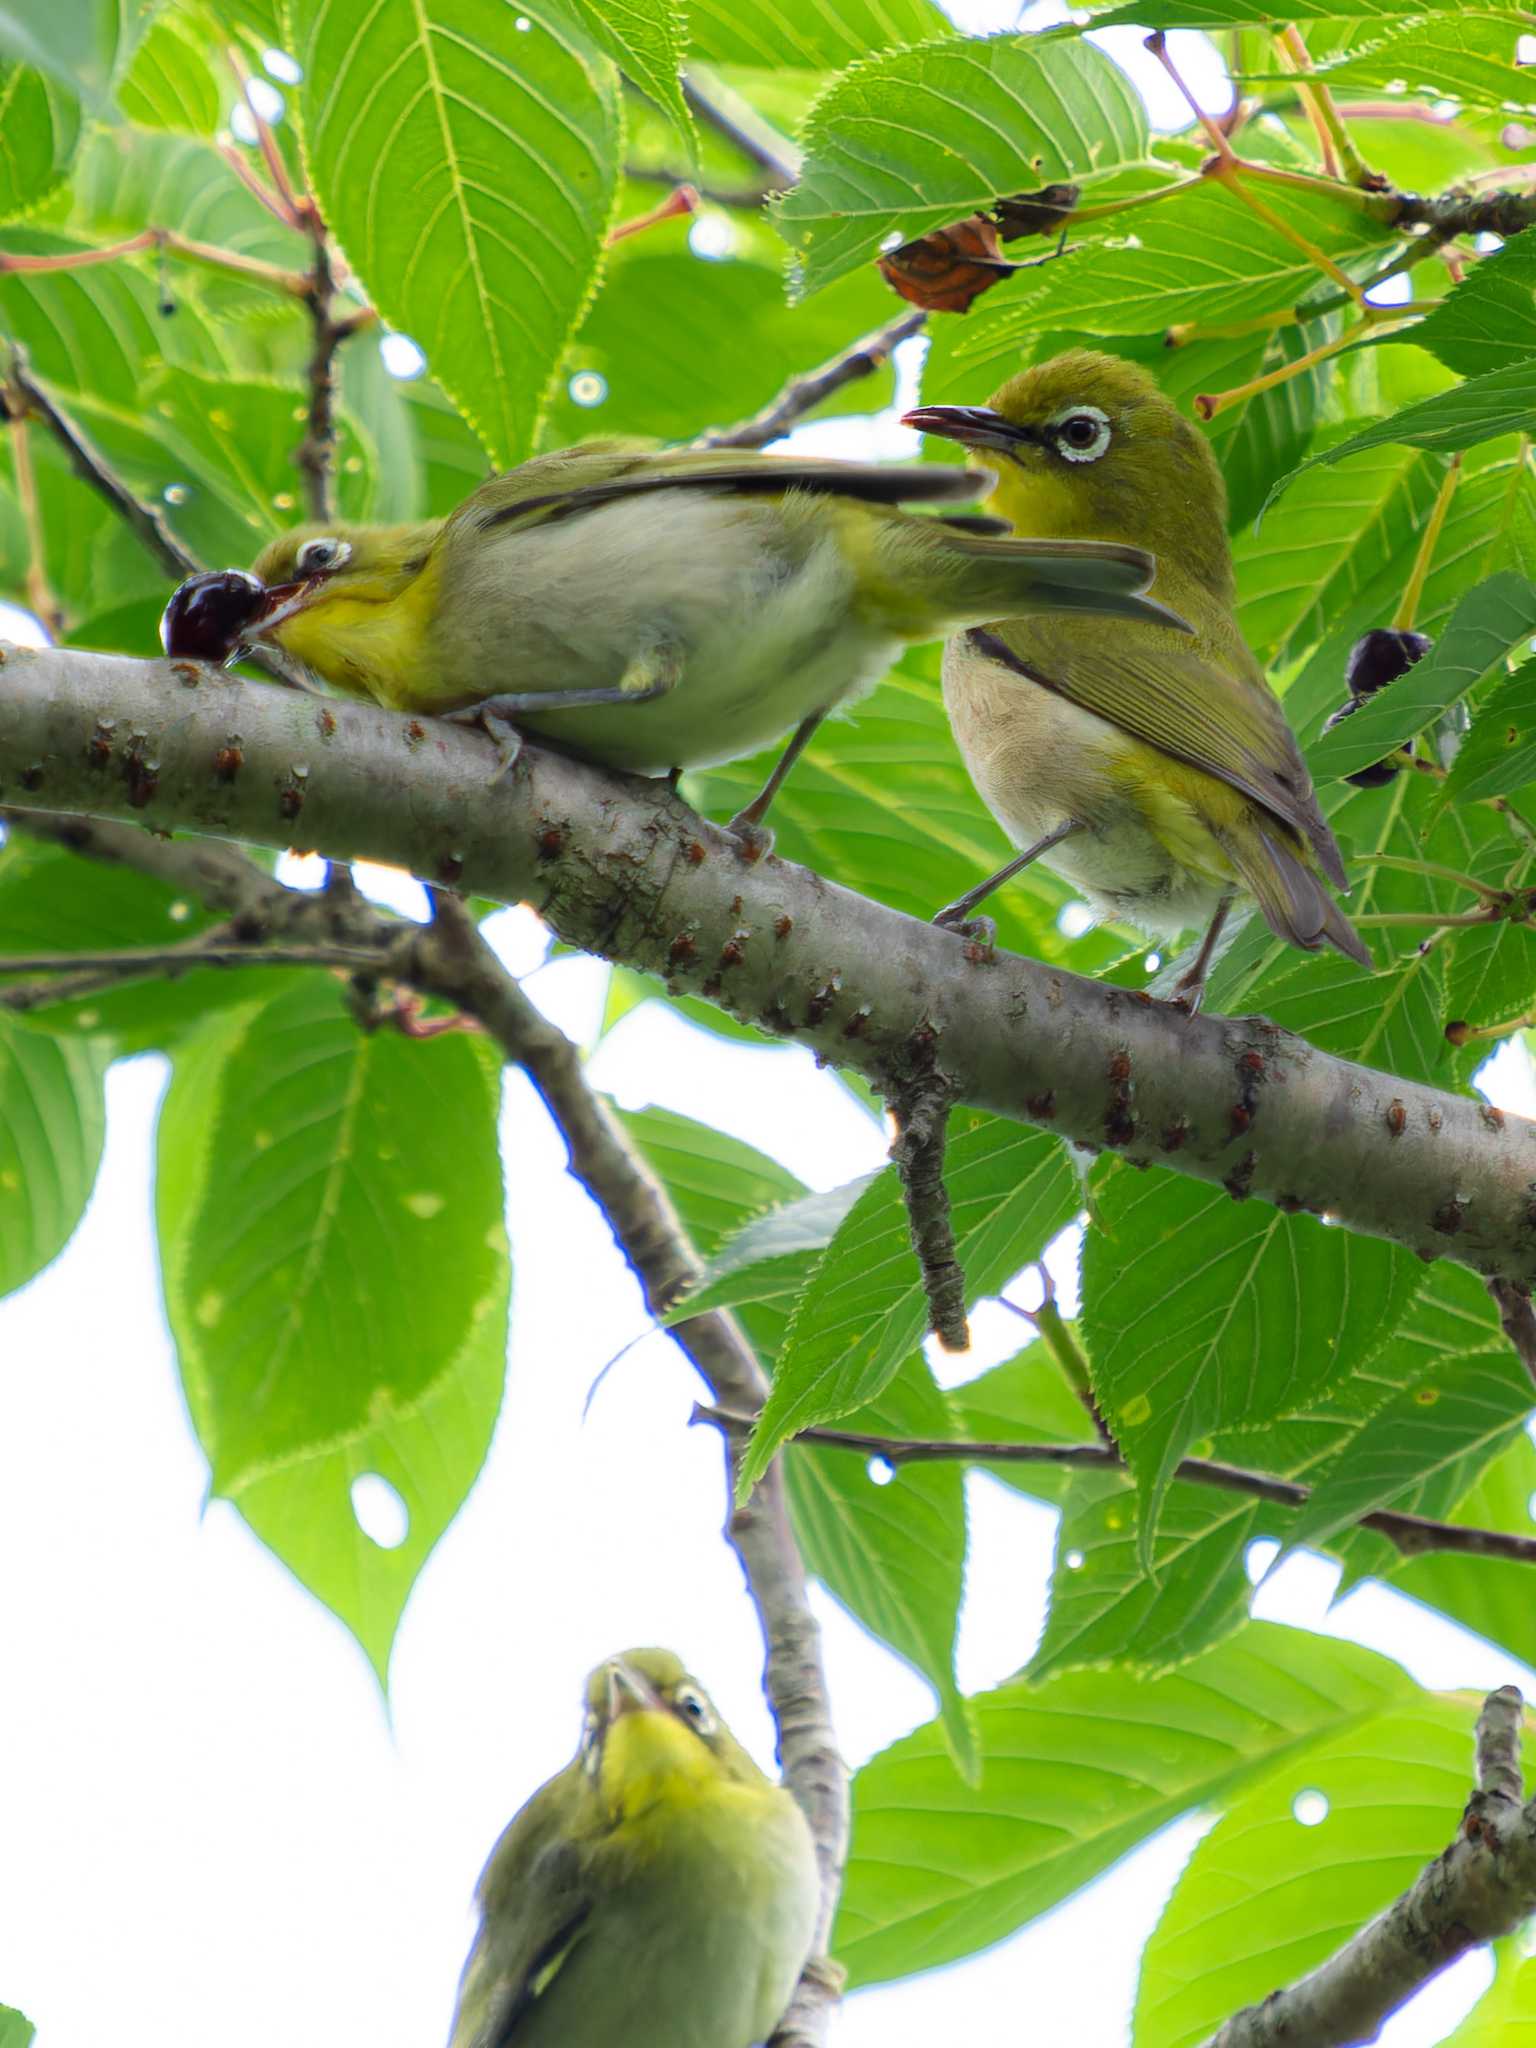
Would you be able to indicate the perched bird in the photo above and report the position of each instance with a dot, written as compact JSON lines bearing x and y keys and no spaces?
{"x":659,"y":1890}
{"x":652,"y":611}
{"x":1155,"y":772}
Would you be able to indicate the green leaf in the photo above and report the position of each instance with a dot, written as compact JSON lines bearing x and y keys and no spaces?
{"x":1488,"y":321}
{"x":170,"y":83}
{"x":1486,"y":625}
{"x":39,"y":130}
{"x":1215,"y":14}
{"x":717,"y":1183}
{"x":653,"y":337}
{"x":1489,"y":1595}
{"x":336,"y":1279}
{"x":1480,"y":409}
{"x":1024,"y":1400}
{"x":1498,"y":756}
{"x":770,"y":1258}
{"x":645,"y":38}
{"x":1301,"y":572}
{"x":1460,"y":55}
{"x":817,"y":35}
{"x":16,"y":2030}
{"x":1198,"y":1318}
{"x":863,"y":1308}
{"x":886,"y":154}
{"x":78,"y":42}
{"x":1286,"y":1895}
{"x":1505,"y":2015}
{"x":52,"y":901}
{"x":1203,"y":257}
{"x":894,"y":1553}
{"x":1422,"y":1452}
{"x":1075,"y":1773}
{"x":470,"y":176}
{"x":1490,"y":974}
{"x":52,"y":1123}
{"x":1106,"y":1603}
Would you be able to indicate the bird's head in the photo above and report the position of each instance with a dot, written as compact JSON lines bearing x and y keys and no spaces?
{"x":302,"y":585}
{"x":1092,"y":450}
{"x":653,"y":1734}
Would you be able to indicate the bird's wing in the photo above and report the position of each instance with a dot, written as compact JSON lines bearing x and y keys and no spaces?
{"x":1157,"y":687}
{"x":555,"y":486}
{"x":534,"y":1908}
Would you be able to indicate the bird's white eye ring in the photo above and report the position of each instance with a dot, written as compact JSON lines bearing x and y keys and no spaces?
{"x":319,"y":557}
{"x":694,"y":1708}
{"x":1080,"y":433}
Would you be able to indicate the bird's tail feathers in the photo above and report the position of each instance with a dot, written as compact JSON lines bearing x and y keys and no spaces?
{"x":1292,"y":898}
{"x":997,"y":578}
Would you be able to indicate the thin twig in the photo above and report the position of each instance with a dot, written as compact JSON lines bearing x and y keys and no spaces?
{"x":40,"y":597}
{"x":145,"y":520}
{"x":744,"y":197}
{"x":315,"y":456}
{"x":1481,"y":1887}
{"x":805,"y":392}
{"x":86,"y":974}
{"x":271,"y":276}
{"x":753,"y":137}
{"x":1413,"y":1535}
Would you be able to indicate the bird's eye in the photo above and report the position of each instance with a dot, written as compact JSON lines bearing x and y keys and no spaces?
{"x":319,"y":557}
{"x":694,"y":1708}
{"x":1081,"y":433}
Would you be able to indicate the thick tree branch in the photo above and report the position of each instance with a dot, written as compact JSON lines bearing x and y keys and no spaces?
{"x":1414,"y":1535}
{"x":1482,"y":1887}
{"x":449,"y":959}
{"x":622,"y":868}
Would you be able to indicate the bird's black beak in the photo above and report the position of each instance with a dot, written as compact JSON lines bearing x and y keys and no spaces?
{"x":974,"y":426}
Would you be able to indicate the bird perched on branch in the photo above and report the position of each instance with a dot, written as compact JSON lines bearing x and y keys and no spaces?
{"x":660,"y":1890}
{"x":650,"y":611}
{"x":1155,"y":772}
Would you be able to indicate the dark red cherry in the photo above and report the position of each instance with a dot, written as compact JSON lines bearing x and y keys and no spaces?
{"x":207,"y":614}
{"x":1381,"y":656}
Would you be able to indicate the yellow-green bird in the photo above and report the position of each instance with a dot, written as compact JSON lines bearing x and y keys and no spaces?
{"x":660,"y":1890}
{"x":1153,"y":770}
{"x":651,"y":611}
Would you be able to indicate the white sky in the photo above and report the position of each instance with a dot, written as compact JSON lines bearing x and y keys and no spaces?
{"x":211,"y":1834}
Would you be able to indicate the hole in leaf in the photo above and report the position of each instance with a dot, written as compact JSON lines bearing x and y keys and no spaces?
{"x":381,"y":1514}
{"x":1310,"y":1807}
{"x":881,"y":1471}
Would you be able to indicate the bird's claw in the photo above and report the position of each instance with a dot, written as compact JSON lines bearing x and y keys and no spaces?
{"x":978,"y":931}
{"x":754,"y":840}
{"x":505,"y":736}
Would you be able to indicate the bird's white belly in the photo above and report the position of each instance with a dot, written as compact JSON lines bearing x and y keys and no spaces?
{"x":1038,"y":760}
{"x":754,"y":612}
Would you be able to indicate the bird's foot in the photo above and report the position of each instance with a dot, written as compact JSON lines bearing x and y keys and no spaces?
{"x":978,"y":931}
{"x":753,"y":840}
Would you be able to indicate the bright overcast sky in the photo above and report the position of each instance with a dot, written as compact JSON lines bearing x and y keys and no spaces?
{"x":212,"y":1834}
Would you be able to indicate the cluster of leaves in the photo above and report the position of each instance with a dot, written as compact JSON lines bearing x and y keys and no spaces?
{"x":470,"y":164}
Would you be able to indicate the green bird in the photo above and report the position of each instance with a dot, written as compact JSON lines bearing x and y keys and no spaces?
{"x":651,"y":611}
{"x":659,"y":1891}
{"x":1153,"y":769}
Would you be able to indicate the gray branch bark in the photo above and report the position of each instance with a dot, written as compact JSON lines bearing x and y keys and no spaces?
{"x":621,"y":867}
{"x":1481,"y":1887}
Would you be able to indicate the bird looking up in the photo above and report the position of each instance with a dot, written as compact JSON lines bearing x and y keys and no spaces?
{"x":660,"y":1889}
